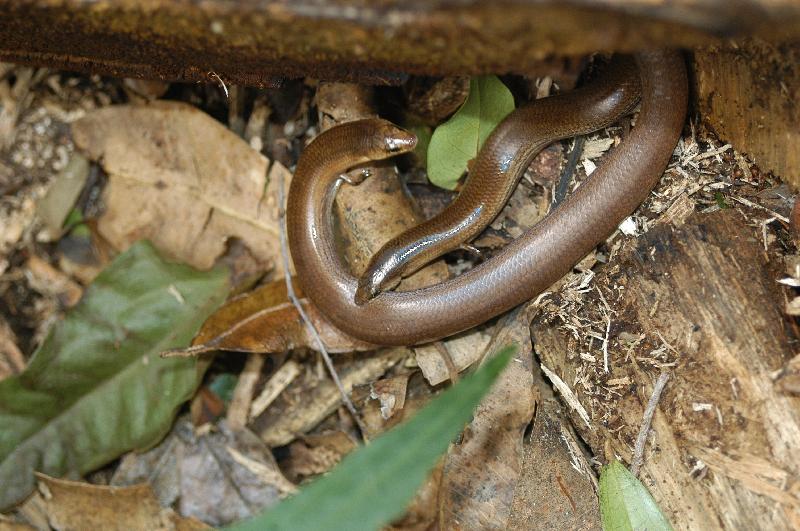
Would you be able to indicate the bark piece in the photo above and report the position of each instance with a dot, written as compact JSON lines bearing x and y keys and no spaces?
{"x":700,"y":301}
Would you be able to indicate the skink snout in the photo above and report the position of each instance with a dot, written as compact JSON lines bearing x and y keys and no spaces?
{"x":401,"y":143}
{"x":396,"y":140}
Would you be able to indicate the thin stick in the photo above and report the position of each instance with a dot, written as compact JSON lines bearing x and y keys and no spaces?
{"x":647,"y":419}
{"x":293,"y":297}
{"x":569,"y":170}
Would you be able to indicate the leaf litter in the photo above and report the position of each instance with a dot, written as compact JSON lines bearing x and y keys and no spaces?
{"x":299,"y":393}
{"x":195,"y":182}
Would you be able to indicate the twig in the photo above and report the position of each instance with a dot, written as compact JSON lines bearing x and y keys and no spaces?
{"x":274,"y":387}
{"x":647,"y":419}
{"x":452,"y":371}
{"x":569,"y":170}
{"x":296,"y":302}
{"x":608,"y":313}
{"x":605,"y":343}
{"x":214,"y":75}
{"x":243,"y":392}
{"x":567,"y":394}
{"x":749,"y":203}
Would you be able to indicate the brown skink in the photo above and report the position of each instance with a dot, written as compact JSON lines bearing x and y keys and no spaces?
{"x":497,"y":169}
{"x":519,"y":272}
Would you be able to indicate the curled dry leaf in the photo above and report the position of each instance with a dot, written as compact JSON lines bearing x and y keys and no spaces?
{"x":557,"y":486}
{"x":182,"y":180}
{"x":61,"y":195}
{"x":391,"y":393}
{"x":265,"y":320}
{"x":464,"y":350}
{"x":216,"y":475}
{"x":373,"y":413}
{"x":77,"y":505}
{"x":481,"y":471}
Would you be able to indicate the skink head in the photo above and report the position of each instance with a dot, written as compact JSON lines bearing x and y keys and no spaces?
{"x":392,"y":140}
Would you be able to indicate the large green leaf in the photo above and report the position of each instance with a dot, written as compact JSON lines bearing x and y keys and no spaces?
{"x":625,"y":504}
{"x":97,"y":387}
{"x":375,"y":483}
{"x":458,"y":140}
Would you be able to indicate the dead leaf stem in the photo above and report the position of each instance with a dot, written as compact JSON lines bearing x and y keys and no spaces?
{"x":641,"y":439}
{"x":296,"y":302}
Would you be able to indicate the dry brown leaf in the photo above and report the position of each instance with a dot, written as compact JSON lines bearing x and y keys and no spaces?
{"x":481,"y":471}
{"x":418,"y":394}
{"x":464,"y":350}
{"x":77,"y":505}
{"x":265,"y":321}
{"x":213,"y":474}
{"x":316,"y":454}
{"x":557,"y":488}
{"x":422,"y":511}
{"x":182,"y":180}
{"x":391,"y":393}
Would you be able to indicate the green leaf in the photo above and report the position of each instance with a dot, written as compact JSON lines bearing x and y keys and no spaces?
{"x":223,"y":385}
{"x":625,"y":504}
{"x":458,"y":140}
{"x":97,"y":387}
{"x":75,"y":224}
{"x":375,"y":483}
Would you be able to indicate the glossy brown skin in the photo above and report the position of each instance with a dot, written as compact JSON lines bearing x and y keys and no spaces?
{"x":524,"y":268}
{"x":497,"y":169}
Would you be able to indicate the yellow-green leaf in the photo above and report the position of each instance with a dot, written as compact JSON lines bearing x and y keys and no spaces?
{"x":625,"y":504}
{"x":458,"y":140}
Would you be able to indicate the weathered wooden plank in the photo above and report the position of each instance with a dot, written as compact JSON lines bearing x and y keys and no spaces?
{"x":750,"y":96}
{"x":259,"y":42}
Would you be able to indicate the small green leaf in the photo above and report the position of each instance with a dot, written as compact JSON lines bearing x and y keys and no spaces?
{"x":76,"y":226}
{"x":625,"y":504}
{"x":720,"y":199}
{"x":97,"y":386}
{"x":458,"y":140}
{"x":223,"y":385}
{"x":375,"y":483}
